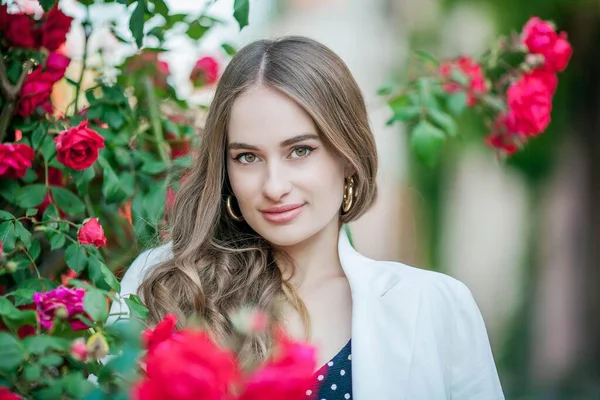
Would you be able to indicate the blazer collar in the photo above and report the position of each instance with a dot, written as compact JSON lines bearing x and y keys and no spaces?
{"x":365,"y":275}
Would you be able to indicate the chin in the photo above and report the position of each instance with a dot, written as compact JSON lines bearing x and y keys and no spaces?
{"x":285,"y":235}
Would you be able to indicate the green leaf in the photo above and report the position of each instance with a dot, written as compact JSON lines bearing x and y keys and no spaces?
{"x":7,"y":235}
{"x":35,"y":249}
{"x":15,"y":318}
{"x":31,"y":212}
{"x":76,"y":385}
{"x":40,"y":344}
{"x":136,"y":307}
{"x":47,"y":4}
{"x":241,"y":12}
{"x":6,"y":216}
{"x":136,"y":23}
{"x":67,"y":200}
{"x":32,"y":372}
{"x":443,"y":120}
{"x":160,"y":7}
{"x":196,"y":30}
{"x":114,"y":118}
{"x":94,"y":304}
{"x":31,"y":195}
{"x":83,"y":178}
{"x":37,"y":137}
{"x":428,"y":58}
{"x":9,"y":189}
{"x":38,"y":285}
{"x":456,"y":103}
{"x":102,"y":276}
{"x":229,"y":49}
{"x":50,"y":360}
{"x":12,"y":352}
{"x":111,"y":186}
{"x":76,"y":257}
{"x":154,"y":167}
{"x":459,"y":76}
{"x":23,"y":234}
{"x":426,"y":141}
{"x":57,"y":240}
{"x":30,"y":176}
{"x":48,"y":148}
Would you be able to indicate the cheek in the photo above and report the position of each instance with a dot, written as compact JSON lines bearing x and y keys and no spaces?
{"x":243,"y":183}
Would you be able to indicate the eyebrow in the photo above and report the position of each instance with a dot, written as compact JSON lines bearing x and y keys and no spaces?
{"x":285,"y":143}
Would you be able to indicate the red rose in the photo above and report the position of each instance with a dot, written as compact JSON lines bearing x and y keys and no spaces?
{"x":56,"y":65}
{"x":78,"y":146}
{"x":152,"y":337}
{"x":205,"y":72}
{"x":6,"y":394}
{"x":55,"y":28}
{"x":35,"y":92}
{"x":1,"y":249}
{"x":15,"y":159}
{"x":476,"y":80}
{"x":548,"y":78}
{"x":530,"y":103}
{"x":288,"y":376}
{"x":18,"y":29}
{"x":540,"y":38}
{"x":187,"y":366}
{"x":91,"y":232}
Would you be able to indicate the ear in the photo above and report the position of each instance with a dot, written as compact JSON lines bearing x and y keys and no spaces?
{"x":349,"y":169}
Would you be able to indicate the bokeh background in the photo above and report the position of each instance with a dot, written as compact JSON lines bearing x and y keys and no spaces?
{"x":524,"y":234}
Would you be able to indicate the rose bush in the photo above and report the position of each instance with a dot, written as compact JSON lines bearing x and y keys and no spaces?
{"x":515,"y":101}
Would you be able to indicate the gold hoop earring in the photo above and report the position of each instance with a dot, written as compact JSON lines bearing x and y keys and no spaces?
{"x":348,"y":195}
{"x":230,"y":210}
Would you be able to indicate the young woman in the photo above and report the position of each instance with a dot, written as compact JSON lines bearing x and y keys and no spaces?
{"x":287,"y":158}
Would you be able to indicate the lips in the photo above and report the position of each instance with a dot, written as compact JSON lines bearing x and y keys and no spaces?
{"x":282,"y":214}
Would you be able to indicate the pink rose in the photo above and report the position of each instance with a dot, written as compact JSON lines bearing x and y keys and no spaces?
{"x":55,"y":28}
{"x":530,"y":103}
{"x":79,"y":350}
{"x":78,"y":146}
{"x":35,"y":92}
{"x":15,"y":159}
{"x":205,"y":72}
{"x":476,"y":81}
{"x":67,"y":303}
{"x":91,"y":232}
{"x":540,"y":38}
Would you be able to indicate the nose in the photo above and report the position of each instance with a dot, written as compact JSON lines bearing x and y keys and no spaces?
{"x":276,"y":185}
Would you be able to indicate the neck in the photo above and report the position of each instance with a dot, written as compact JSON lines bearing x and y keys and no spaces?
{"x":314,"y":259}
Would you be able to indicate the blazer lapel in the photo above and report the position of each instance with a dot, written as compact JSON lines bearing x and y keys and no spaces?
{"x":383,"y":325}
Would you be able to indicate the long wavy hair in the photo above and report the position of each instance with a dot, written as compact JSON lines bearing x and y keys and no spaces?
{"x":218,"y":265}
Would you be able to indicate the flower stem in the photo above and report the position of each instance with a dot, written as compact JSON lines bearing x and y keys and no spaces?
{"x":10,"y":93}
{"x":155,"y":124}
{"x":87,"y":29}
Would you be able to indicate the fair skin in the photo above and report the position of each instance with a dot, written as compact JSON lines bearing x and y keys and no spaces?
{"x":276,"y":159}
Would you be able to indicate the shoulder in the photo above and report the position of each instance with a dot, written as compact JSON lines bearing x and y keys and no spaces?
{"x":141,"y":265}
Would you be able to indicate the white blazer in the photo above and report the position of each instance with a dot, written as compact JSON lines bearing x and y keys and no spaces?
{"x":416,"y":334}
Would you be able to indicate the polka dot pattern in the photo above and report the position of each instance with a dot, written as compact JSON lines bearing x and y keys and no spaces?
{"x":334,"y":379}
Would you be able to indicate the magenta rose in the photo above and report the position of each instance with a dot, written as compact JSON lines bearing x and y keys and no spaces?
{"x":540,"y":37}
{"x":55,"y":28}
{"x":205,"y":72}
{"x":530,"y":103}
{"x":56,"y":65}
{"x":35,"y":92}
{"x":15,"y":159}
{"x":66,"y":303}
{"x":78,"y":146}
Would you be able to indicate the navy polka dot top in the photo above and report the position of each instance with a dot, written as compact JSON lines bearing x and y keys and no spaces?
{"x":335,"y":377}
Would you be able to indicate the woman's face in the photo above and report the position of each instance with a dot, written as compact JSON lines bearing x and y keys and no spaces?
{"x":287,"y":184}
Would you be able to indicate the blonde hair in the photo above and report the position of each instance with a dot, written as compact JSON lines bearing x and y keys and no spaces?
{"x":219,"y":265}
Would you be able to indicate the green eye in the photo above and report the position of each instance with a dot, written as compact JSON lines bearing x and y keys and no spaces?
{"x":301,"y":151}
{"x":246,"y":158}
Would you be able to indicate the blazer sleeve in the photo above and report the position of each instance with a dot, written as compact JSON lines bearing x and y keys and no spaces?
{"x":133,"y":278}
{"x":473,"y":373}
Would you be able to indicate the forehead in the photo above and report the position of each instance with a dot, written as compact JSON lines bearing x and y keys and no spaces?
{"x":264,"y":116}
